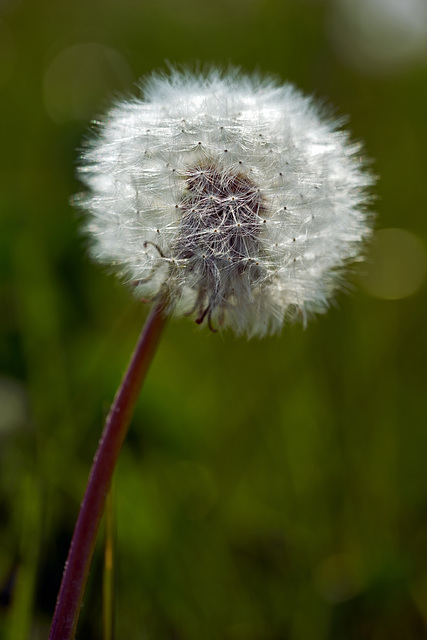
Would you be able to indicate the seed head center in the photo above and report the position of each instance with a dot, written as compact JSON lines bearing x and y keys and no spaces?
{"x":222,"y":214}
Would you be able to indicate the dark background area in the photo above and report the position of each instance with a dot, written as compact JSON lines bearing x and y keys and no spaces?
{"x":268,"y":490}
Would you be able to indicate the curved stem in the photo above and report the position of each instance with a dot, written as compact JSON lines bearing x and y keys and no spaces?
{"x":76,"y":569}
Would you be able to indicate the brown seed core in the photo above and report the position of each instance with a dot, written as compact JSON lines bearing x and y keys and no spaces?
{"x":219,"y":235}
{"x":221,"y":216}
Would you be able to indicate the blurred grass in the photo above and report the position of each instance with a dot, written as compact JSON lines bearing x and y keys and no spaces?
{"x":108,"y":592}
{"x":268,"y":490}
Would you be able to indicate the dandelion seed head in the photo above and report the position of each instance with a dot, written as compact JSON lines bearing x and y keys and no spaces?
{"x":232,"y":193}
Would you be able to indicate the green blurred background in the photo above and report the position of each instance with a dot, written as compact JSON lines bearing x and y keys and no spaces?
{"x":268,"y":490}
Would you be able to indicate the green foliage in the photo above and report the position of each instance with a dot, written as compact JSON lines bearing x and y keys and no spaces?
{"x":268,"y":490}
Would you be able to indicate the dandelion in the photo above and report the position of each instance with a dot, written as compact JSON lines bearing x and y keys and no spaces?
{"x":232,"y":195}
{"x":222,"y":196}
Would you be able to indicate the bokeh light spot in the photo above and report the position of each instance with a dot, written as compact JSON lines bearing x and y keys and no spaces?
{"x":380,"y":35}
{"x":13,"y":403}
{"x":398,"y":265}
{"x":82,"y":76}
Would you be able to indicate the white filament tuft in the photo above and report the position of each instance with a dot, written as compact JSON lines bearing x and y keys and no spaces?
{"x":231,"y":193}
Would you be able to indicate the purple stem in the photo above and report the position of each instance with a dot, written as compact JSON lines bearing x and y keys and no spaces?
{"x":79,"y":559}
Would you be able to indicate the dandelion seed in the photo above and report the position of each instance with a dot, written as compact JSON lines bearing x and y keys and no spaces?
{"x":213,"y":253}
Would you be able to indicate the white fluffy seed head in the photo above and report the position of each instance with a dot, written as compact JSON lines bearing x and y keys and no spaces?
{"x":228,"y":193}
